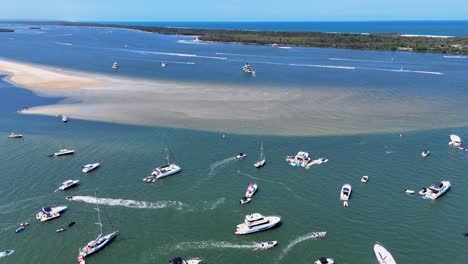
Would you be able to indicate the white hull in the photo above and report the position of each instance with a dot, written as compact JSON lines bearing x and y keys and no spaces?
{"x":434,"y":195}
{"x":165,"y":171}
{"x":324,"y":261}
{"x":260,"y":163}
{"x":382,"y":255}
{"x":68,"y":184}
{"x":243,"y":229}
{"x":52,"y":214}
{"x":344,"y":195}
{"x":64,"y":152}
{"x":104,"y":240}
{"x":90,"y":167}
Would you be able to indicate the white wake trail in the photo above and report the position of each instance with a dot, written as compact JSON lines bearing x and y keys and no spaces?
{"x":214,"y":245}
{"x":129,"y":203}
{"x":294,"y":243}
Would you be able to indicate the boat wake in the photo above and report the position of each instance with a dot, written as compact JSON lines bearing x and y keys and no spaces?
{"x":129,"y":203}
{"x":212,"y":205}
{"x":64,"y":43}
{"x":455,"y":57}
{"x":402,"y":70}
{"x":176,"y":54}
{"x":294,"y":243}
{"x":323,"y":66}
{"x":344,"y":59}
{"x":214,"y":245}
{"x":184,"y":41}
{"x":243,"y":55}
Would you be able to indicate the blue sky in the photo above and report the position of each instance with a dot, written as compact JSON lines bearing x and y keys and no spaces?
{"x":234,"y":10}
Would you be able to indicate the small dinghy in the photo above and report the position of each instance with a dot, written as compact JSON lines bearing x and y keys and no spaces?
{"x":324,"y":260}
{"x":24,"y":224}
{"x":241,"y":155}
{"x":425,"y":153}
{"x":364,"y":179}
{"x":267,"y":245}
{"x":19,"y":229}
{"x":465,"y":234}
{"x":409,"y":191}
{"x":149,"y":179}
{"x":6,"y":253}
{"x":60,"y":230}
{"x":318,"y":234}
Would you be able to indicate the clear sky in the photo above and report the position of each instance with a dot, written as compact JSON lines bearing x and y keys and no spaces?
{"x":234,"y":10}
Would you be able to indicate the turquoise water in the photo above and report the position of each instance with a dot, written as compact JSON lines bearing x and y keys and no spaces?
{"x":194,"y":213}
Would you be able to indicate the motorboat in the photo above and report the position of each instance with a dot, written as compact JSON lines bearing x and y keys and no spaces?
{"x":248,"y":69}
{"x":180,"y":260}
{"x":13,"y":135}
{"x":24,"y":224}
{"x":49,"y":213}
{"x":163,"y":64}
{"x":409,"y":191}
{"x":425,"y":153}
{"x":324,"y":260}
{"x":64,"y":152}
{"x":6,"y":253}
{"x":262,"y":160}
{"x":317,"y":161}
{"x":115,"y":65}
{"x":267,"y":245}
{"x":301,"y":159}
{"x":382,"y":255}
{"x":454,"y":141}
{"x":60,"y":230}
{"x":436,"y":190}
{"x":318,"y":234}
{"x":251,"y":190}
{"x":64,"y":119}
{"x":364,"y":179}
{"x":241,"y":155}
{"x":345,"y":194}
{"x":89,"y":167}
{"x":256,"y":223}
{"x":245,"y":200}
{"x":19,"y":229}
{"x":167,"y":169}
{"x":68,"y":184}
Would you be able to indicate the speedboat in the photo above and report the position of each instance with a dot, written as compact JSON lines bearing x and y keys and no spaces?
{"x":301,"y":159}
{"x":89,"y":167}
{"x":166,"y":170}
{"x":6,"y":253}
{"x":318,"y":161}
{"x":256,"y":223}
{"x":382,"y":255}
{"x":324,"y":260}
{"x":64,"y":152}
{"x":409,"y":191}
{"x":318,"y":234}
{"x":49,"y":213}
{"x":267,"y":245}
{"x":180,"y":260}
{"x":64,"y":119}
{"x":13,"y":135}
{"x":163,"y":64}
{"x":364,"y":179}
{"x":251,"y":190}
{"x":115,"y":65}
{"x":425,"y":153}
{"x":454,"y":141}
{"x":68,"y":184}
{"x":436,"y":190}
{"x":24,"y":224}
{"x":345,"y":194}
{"x":241,"y":155}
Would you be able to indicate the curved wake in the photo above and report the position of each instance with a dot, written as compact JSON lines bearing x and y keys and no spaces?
{"x":129,"y":203}
{"x":294,"y":243}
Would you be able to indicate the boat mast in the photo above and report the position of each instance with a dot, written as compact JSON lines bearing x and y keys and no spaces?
{"x":99,"y":215}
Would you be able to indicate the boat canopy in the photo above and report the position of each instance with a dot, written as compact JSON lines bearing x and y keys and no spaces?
{"x":253,"y":217}
{"x":46,"y":210}
{"x":455,"y":138}
{"x":437,"y":185}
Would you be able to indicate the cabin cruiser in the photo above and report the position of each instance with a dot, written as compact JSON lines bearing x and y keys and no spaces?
{"x":301,"y":159}
{"x":13,"y":135}
{"x":256,"y":223}
{"x":180,"y":260}
{"x":324,"y":260}
{"x":241,"y":155}
{"x":166,"y":170}
{"x":425,"y":153}
{"x":89,"y":167}
{"x":382,"y":255}
{"x":48,"y":213}
{"x":63,"y":152}
{"x":68,"y":184}
{"x":251,"y":190}
{"x":436,"y":190}
{"x":64,"y":119}
{"x":267,"y":245}
{"x":318,"y":234}
{"x":454,"y":141}
{"x":248,"y":69}
{"x":115,"y":65}
{"x":345,"y":194}
{"x":364,"y":179}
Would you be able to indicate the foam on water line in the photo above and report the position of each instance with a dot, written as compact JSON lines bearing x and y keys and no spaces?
{"x":294,"y":243}
{"x":144,"y":52}
{"x":64,"y":43}
{"x":214,"y":245}
{"x":455,"y":57}
{"x":323,"y":66}
{"x":361,"y":60}
{"x":129,"y":203}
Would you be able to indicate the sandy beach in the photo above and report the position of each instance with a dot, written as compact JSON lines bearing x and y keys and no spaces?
{"x":227,"y":109}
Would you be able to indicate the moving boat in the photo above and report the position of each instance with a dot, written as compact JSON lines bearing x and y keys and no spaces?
{"x":318,"y":234}
{"x":64,"y":152}
{"x":256,"y":223}
{"x":267,"y":245}
{"x":345,"y":194}
{"x":248,"y":69}
{"x":163,"y":64}
{"x":364,"y":179}
{"x":455,"y":141}
{"x":436,"y":190}
{"x":13,"y":135}
{"x":68,"y":184}
{"x":425,"y":153}
{"x":60,"y":230}
{"x":317,"y":161}
{"x":241,"y":155}
{"x":49,"y":213}
{"x":261,"y":161}
{"x":6,"y":253}
{"x":19,"y":229}
{"x":89,"y":167}
{"x":409,"y":191}
{"x":301,"y":159}
{"x":115,"y":65}
{"x":324,"y":260}
{"x":97,"y":244}
{"x":251,"y":190}
{"x":382,"y":255}
{"x":168,"y":169}
{"x":180,"y":260}
{"x":64,"y":119}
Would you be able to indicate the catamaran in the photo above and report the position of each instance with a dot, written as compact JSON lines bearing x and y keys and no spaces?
{"x":168,"y":169}
{"x":97,"y":244}
{"x":49,"y":213}
{"x":261,"y":161}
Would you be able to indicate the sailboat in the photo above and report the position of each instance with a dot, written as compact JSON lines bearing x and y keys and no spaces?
{"x":167,"y":169}
{"x":97,"y":244}
{"x":262,"y":159}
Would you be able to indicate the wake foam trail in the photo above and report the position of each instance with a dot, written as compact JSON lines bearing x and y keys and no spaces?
{"x":212,"y":170}
{"x":344,"y":59}
{"x":214,"y":245}
{"x":176,"y":54}
{"x":284,"y":48}
{"x":402,"y":70}
{"x":130,"y":203}
{"x":209,"y":206}
{"x":184,"y":41}
{"x":455,"y":57}
{"x":323,"y":66}
{"x":64,"y":43}
{"x":294,"y":243}
{"x":244,"y":55}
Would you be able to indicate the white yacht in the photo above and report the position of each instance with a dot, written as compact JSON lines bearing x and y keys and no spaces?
{"x":267,"y":245}
{"x":324,"y":260}
{"x":13,"y":135}
{"x":301,"y":159}
{"x":251,"y":190}
{"x":64,"y":119}
{"x":180,"y":260}
{"x":256,"y":223}
{"x":68,"y":184}
{"x":63,"y":152}
{"x":364,"y":179}
{"x":89,"y":167}
{"x":345,"y":194}
{"x":48,"y":213}
{"x":382,"y":255}
{"x":115,"y":65}
{"x":166,"y":170}
{"x":262,"y":160}
{"x":454,"y":141}
{"x":436,"y":190}
{"x":241,"y":155}
{"x":425,"y":153}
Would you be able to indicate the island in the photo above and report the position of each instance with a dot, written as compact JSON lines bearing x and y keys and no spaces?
{"x":6,"y":30}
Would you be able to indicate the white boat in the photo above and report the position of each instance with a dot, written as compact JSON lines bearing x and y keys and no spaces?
{"x":382,"y":255}
{"x":6,"y":253}
{"x":168,"y":169}
{"x":454,"y":141}
{"x":89,"y":167}
{"x":68,"y":184}
{"x":180,"y":260}
{"x":163,"y":64}
{"x":115,"y":65}
{"x":256,"y":223}
{"x":267,"y":245}
{"x":64,"y":119}
{"x":97,"y":244}
{"x":248,"y":69}
{"x":245,"y":200}
{"x":301,"y":159}
{"x":436,"y":190}
{"x":262,"y":160}
{"x":49,"y":213}
{"x":63,"y":152}
{"x":345,"y":194}
{"x":317,"y":161}
{"x":425,"y":153}
{"x":409,"y":191}
{"x":318,"y":234}
{"x":251,"y":190}
{"x":241,"y":155}
{"x":364,"y":179}
{"x":13,"y":135}
{"x":324,"y":260}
